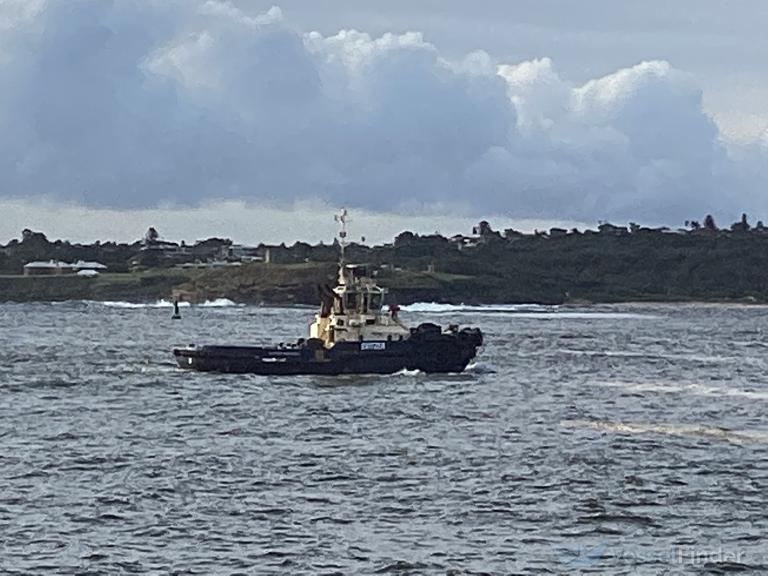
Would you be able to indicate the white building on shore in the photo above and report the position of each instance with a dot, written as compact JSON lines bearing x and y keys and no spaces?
{"x":58,"y":268}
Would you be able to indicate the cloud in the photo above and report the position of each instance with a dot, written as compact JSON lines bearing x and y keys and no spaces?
{"x":131,"y":104}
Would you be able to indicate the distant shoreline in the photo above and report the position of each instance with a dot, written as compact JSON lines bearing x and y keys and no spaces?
{"x":612,"y":265}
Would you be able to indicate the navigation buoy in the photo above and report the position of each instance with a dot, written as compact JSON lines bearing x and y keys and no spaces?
{"x":176,"y":313}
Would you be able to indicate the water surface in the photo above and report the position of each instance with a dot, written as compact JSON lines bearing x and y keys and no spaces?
{"x":617,"y":440}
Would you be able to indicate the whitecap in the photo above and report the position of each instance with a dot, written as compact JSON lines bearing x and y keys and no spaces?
{"x":560,"y":315}
{"x":479,"y":368}
{"x":219,"y":303}
{"x":530,"y":311}
{"x":688,"y":430}
{"x":406,"y":372}
{"x":139,"y":305}
{"x":437,"y":308}
{"x":727,"y":391}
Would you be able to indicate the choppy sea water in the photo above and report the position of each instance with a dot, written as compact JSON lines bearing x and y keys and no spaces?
{"x":616,"y":440}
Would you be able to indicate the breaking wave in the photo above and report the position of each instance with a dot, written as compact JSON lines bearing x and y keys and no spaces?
{"x":217,"y":303}
{"x":694,"y":430}
{"x":437,"y":308}
{"x":406,"y":372}
{"x":695,"y":389}
{"x":532,"y":311}
{"x":479,"y":368}
{"x":139,"y":305}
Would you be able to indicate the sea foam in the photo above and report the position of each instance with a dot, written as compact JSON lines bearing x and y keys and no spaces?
{"x":217,"y":303}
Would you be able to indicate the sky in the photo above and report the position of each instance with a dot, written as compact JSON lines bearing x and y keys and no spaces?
{"x":257,"y":121}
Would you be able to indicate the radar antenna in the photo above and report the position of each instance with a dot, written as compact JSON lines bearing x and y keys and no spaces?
{"x":342,"y":218}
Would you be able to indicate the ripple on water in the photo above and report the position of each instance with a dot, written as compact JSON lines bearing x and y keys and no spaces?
{"x":621,"y":440}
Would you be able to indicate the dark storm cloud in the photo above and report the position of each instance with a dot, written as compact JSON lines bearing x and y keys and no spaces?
{"x":137,"y":103}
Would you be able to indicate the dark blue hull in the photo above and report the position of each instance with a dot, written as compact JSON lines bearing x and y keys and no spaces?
{"x":434,"y":352}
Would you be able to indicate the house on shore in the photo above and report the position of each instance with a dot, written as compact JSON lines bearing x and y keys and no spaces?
{"x":241,"y":253}
{"x":58,"y":268}
{"x":608,"y":229}
{"x":49,"y":268}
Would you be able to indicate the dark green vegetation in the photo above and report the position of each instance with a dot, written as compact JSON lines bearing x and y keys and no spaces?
{"x":146,"y":286}
{"x":612,"y":264}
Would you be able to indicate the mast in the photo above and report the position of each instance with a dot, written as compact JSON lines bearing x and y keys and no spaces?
{"x":342,"y":218}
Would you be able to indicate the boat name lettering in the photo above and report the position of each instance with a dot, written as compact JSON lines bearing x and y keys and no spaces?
{"x":373,"y":346}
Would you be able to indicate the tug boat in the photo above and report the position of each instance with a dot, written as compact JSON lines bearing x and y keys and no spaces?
{"x":351,"y":334}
